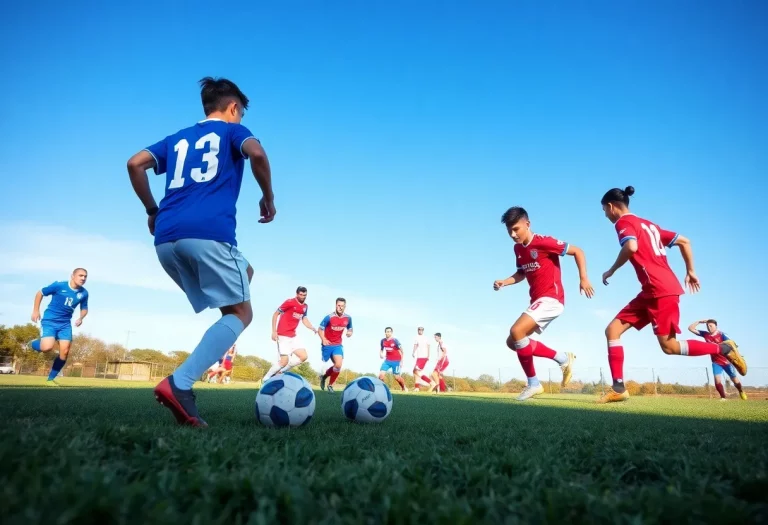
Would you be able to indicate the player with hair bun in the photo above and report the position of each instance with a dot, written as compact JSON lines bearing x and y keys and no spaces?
{"x":645,"y":245}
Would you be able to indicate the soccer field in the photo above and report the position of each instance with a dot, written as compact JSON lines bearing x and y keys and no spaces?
{"x":96,"y":451}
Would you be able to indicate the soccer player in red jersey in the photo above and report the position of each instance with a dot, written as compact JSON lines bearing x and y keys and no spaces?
{"x":392,"y":353}
{"x":290,"y":348}
{"x":645,"y":244}
{"x":331,"y":328}
{"x":441,"y":365}
{"x":538,"y":261}
{"x":720,"y":364}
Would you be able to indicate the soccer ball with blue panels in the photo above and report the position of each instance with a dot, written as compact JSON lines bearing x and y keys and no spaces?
{"x":285,"y":400}
{"x":366,"y":400}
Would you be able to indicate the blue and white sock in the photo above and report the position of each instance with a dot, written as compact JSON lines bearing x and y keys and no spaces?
{"x":215,"y":342}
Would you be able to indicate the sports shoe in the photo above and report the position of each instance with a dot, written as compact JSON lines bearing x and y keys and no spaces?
{"x":567,"y":369}
{"x":322,"y":381}
{"x":734,"y":357}
{"x":530,"y":391}
{"x":612,"y":396}
{"x":743,"y":395}
{"x":181,"y":403}
{"x":330,"y":389}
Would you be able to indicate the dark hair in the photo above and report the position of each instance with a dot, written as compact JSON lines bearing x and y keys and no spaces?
{"x":218,"y":93}
{"x":341,"y":300}
{"x":438,"y":334}
{"x":514,"y":214}
{"x":388,"y":328}
{"x":712,"y":321}
{"x":301,"y":289}
{"x":76,"y":269}
{"x":617,"y":195}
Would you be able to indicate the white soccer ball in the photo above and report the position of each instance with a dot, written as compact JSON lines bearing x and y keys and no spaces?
{"x":366,"y":400}
{"x":285,"y":400}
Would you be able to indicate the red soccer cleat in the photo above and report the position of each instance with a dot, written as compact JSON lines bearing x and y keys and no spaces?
{"x":181,"y":403}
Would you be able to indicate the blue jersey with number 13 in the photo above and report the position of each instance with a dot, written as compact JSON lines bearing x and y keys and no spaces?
{"x":204,"y":170}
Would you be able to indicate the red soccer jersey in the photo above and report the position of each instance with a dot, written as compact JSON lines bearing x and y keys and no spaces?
{"x":393,"y":348}
{"x":333,"y":326}
{"x":650,"y":259}
{"x":540,"y":260}
{"x":291,"y":312}
{"x":717,"y":338}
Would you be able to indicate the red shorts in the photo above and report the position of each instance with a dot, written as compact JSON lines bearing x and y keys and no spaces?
{"x":663,"y":313}
{"x":421,"y":362}
{"x":227,"y":365}
{"x":441,"y":365}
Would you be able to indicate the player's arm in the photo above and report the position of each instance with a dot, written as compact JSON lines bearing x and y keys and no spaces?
{"x":349,"y":328}
{"x":321,"y":330}
{"x":43,"y":292}
{"x":515,"y":278}
{"x":671,"y":239}
{"x":415,"y":346}
{"x":137,"y":171}
{"x":262,"y":172}
{"x":305,"y":322}
{"x":381,"y":349}
{"x":694,"y":327}
{"x":83,"y":311}
{"x":581,"y":263}
{"x":275,"y":316}
{"x":628,"y":249}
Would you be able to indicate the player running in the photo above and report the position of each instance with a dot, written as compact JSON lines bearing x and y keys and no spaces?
{"x":441,"y":365}
{"x":226,"y":366}
{"x":421,"y":353}
{"x":56,"y":324}
{"x":538,"y":261}
{"x":392,"y":353}
{"x":194,"y":226}
{"x":331,"y":328}
{"x":290,"y":348}
{"x":645,"y":244}
{"x":720,"y":364}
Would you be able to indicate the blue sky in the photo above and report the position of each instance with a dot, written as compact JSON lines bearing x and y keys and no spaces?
{"x":397,"y":134}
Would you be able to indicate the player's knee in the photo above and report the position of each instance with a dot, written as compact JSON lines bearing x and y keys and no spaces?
{"x":283,"y":360}
{"x":670,"y":347}
{"x":242,"y":311}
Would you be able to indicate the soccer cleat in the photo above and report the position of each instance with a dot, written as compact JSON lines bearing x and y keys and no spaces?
{"x":181,"y":403}
{"x":52,"y":382}
{"x":734,"y":357}
{"x":612,"y":396}
{"x":530,"y":391}
{"x":743,"y":395}
{"x":723,"y":399}
{"x":322,"y":381}
{"x":330,"y":389}
{"x":567,"y":369}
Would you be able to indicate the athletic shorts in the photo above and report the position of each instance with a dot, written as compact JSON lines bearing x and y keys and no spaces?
{"x":544,"y":310}
{"x":227,"y":365}
{"x":212,"y":274}
{"x":729,"y":369}
{"x":394,"y":366}
{"x":441,"y":365}
{"x":329,"y":351}
{"x":421,"y":363}
{"x":663,"y":313}
{"x":288,"y":345}
{"x":58,"y":330}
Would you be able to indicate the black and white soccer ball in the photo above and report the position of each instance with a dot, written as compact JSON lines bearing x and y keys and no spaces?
{"x":285,"y":400}
{"x":366,"y":400}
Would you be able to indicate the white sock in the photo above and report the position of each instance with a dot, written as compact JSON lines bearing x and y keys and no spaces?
{"x":561,"y":358}
{"x":294,"y":360}
{"x":272,"y":371}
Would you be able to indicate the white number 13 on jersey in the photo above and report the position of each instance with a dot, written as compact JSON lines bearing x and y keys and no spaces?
{"x":210,"y":158}
{"x":656,"y":244}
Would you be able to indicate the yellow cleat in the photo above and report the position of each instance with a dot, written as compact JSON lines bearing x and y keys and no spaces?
{"x":567,"y":369}
{"x":743,"y":395}
{"x":612,"y":397}
{"x":735,"y":358}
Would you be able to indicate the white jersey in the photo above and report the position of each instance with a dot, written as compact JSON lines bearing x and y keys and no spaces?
{"x":422,"y":346}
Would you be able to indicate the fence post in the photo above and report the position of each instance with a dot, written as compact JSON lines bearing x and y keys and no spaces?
{"x":454,"y":380}
{"x":653,"y":376}
{"x":549,"y":373}
{"x":709,"y":388}
{"x":602,"y":381}
{"x":499,"y":378}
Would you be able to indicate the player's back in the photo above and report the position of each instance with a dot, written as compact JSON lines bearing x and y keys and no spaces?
{"x":204,"y":171}
{"x":650,"y":259}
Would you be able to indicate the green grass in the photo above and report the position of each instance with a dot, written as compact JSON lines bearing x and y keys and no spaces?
{"x":104,"y":452}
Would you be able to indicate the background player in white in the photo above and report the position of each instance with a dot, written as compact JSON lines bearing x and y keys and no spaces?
{"x":440,"y":366}
{"x":290,"y":348}
{"x":421,"y":354}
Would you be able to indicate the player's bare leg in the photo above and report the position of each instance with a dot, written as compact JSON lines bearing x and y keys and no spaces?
{"x":719,"y":387}
{"x":420,"y":379}
{"x":693,"y":347}
{"x":434,"y":381}
{"x":276,"y":368}
{"x":333,"y":372}
{"x":613,"y":333}
{"x":737,"y":384}
{"x":401,"y":382}
{"x":297,"y":357}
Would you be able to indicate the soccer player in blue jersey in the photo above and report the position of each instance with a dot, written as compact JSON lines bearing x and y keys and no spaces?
{"x":57,"y":319}
{"x":194,"y":227}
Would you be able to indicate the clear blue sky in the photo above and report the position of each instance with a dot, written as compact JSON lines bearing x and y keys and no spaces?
{"x":398,"y":134}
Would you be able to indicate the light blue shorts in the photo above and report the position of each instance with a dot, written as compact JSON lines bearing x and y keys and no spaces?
{"x":728,"y":369}
{"x":57,"y":330}
{"x":212,"y":273}
{"x":330,"y":351}
{"x":391,"y":365}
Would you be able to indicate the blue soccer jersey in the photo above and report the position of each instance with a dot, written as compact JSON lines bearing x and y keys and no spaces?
{"x":64,"y":300}
{"x":204,"y":170}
